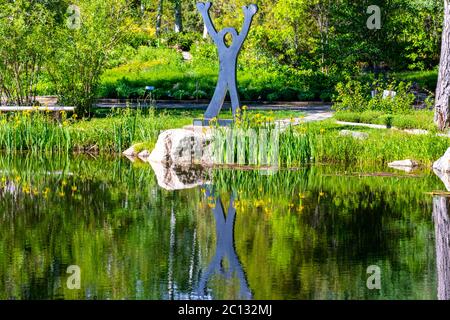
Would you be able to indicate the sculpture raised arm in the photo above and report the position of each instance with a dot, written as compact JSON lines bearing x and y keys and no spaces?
{"x":249,"y":12}
{"x":204,"y":7}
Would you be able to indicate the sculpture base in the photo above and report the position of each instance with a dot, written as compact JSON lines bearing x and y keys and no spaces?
{"x":216,"y":122}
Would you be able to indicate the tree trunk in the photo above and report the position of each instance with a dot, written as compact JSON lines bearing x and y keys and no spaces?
{"x":178,"y":17}
{"x":442,"y":231}
{"x":442,"y":109}
{"x":159,"y":17}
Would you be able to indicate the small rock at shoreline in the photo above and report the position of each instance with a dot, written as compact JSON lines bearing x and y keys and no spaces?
{"x":404,"y":165}
{"x":355,"y":134}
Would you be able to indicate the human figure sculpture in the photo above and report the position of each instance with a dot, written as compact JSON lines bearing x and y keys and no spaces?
{"x":228,"y":56}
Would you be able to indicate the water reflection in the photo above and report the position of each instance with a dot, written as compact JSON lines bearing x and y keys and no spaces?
{"x":225,"y":249}
{"x":303,"y":234}
{"x":442,"y":230}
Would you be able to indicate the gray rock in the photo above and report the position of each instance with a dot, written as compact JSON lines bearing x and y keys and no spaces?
{"x":404,"y":163}
{"x":355,"y":134}
{"x":443,"y":164}
{"x":182,"y":147}
{"x":187,"y":56}
{"x":444,"y":176}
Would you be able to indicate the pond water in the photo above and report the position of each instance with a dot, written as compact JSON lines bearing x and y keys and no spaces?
{"x":310,"y":233}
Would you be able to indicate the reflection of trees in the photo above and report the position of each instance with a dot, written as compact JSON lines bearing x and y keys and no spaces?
{"x":225,"y":250}
{"x":442,"y":230}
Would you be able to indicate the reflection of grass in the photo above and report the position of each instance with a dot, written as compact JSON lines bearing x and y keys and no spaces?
{"x":118,"y":230}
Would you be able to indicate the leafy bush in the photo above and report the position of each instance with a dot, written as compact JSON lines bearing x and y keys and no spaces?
{"x":184,"y":41}
{"x":355,"y":96}
{"x":351,"y":96}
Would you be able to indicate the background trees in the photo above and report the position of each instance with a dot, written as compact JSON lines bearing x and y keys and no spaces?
{"x":24,"y":29}
{"x":81,"y":47}
{"x":299,"y":45}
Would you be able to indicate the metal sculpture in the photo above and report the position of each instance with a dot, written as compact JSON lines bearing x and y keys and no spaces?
{"x":228,"y":56}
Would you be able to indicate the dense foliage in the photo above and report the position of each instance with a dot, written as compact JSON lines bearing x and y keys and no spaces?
{"x":297,"y":49}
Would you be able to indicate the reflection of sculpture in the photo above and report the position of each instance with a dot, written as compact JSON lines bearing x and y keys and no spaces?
{"x":442,"y":229}
{"x":228,"y":56}
{"x":225,"y":250}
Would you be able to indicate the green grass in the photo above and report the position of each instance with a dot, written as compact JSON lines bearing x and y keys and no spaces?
{"x":381,"y":147}
{"x":39,"y":132}
{"x":425,"y":79}
{"x":321,"y":142}
{"x":177,"y":79}
{"x":317,"y":142}
{"x":413,"y":120}
{"x":112,"y":133}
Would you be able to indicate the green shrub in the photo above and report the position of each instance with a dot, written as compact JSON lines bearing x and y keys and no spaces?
{"x":351,"y":96}
{"x":355,"y":96}
{"x":183,"y":40}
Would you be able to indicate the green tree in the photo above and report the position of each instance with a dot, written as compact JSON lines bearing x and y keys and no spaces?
{"x":24,"y":29}
{"x":82,"y":46}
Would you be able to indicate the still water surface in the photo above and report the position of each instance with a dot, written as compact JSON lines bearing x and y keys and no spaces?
{"x":300,"y":234}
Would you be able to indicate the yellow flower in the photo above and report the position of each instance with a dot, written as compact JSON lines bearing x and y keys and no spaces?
{"x":211,"y":205}
{"x":61,"y":194}
{"x":64,"y":183}
{"x":321,"y":194}
{"x":244,"y":108}
{"x":18,"y":179}
{"x":322,"y":131}
{"x":74,"y":188}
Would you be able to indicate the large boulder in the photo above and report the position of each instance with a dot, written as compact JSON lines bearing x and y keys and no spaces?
{"x":443,"y":164}
{"x":182,"y":147}
{"x":442,"y":169}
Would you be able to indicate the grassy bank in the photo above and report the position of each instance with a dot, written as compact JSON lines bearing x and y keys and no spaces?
{"x":318,"y":142}
{"x":413,"y":120}
{"x":380,"y":148}
{"x":40,"y":132}
{"x":110,"y":133}
{"x":321,"y":142}
{"x":176,"y":78}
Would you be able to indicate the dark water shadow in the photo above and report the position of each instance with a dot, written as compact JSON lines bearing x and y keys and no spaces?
{"x":225,"y":250}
